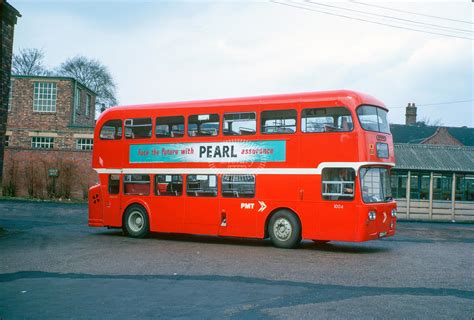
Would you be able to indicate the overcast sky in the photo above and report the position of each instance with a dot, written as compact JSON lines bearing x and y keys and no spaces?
{"x":190,"y":50}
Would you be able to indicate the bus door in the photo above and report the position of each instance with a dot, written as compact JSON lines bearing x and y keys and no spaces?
{"x":238,"y":206}
{"x":111,"y":198}
{"x":201,"y":214}
{"x":337,"y":215}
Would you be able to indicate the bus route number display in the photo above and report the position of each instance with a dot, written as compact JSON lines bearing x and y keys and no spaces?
{"x":249,"y":151}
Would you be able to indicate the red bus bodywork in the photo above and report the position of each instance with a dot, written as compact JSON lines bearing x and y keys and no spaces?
{"x":296,"y":187}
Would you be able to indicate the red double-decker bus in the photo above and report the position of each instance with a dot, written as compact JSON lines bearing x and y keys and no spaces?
{"x":289,"y":167}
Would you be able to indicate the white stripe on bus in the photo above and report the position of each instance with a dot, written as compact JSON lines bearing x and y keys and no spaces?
{"x":278,"y":171}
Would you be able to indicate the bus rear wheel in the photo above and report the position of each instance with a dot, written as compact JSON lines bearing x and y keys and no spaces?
{"x":284,"y":229}
{"x":136,"y":223}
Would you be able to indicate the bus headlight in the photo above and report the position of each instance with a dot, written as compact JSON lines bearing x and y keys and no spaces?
{"x":372,"y":215}
{"x":394,"y":213}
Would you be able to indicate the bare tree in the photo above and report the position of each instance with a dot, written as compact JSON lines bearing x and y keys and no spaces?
{"x":29,"y":62}
{"x":431,"y":122}
{"x":94,"y":75}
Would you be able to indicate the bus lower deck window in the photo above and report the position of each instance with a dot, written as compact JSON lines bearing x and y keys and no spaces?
{"x":168,"y":185}
{"x":338,"y":183}
{"x":201,"y":185}
{"x":136,"y":184}
{"x":238,"y":186}
{"x":114,"y":184}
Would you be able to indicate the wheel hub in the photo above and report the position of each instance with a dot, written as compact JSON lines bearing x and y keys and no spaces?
{"x":282,"y":229}
{"x":135,"y":221}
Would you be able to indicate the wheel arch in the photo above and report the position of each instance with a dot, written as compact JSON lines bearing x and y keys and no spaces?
{"x":139,"y":203}
{"x":267,"y":220}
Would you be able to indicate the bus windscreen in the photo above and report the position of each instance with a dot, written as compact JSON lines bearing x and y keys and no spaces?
{"x":373,"y":119}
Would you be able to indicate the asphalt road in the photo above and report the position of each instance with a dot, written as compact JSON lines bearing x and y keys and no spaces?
{"x":52,"y":265}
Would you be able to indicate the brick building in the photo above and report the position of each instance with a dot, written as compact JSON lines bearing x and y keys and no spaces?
{"x":49,"y":138}
{"x":8,"y":16}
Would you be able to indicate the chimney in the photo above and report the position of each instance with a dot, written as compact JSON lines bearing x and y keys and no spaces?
{"x":410,"y":115}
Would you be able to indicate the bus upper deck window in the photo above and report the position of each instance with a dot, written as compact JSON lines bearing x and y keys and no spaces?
{"x":278,"y":121}
{"x":334,"y":119}
{"x":338,"y":183}
{"x":138,"y":128}
{"x":203,"y":125}
{"x":373,"y":119}
{"x":239,"y":124}
{"x":111,"y":130}
{"x":169,"y":127}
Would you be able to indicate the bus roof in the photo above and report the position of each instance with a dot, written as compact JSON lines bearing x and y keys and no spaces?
{"x":359,"y":98}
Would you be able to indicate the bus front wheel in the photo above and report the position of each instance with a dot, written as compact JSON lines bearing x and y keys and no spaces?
{"x":136,"y":223}
{"x":284,"y":229}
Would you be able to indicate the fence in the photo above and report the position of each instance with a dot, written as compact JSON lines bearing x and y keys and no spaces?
{"x":435,"y":210}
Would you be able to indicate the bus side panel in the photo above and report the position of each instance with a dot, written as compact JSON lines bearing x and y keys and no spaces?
{"x":166,"y":214}
{"x":111,"y":204}
{"x":336,"y":220}
{"x":240,"y":215}
{"x":275,"y":191}
{"x":308,"y":193}
{"x":96,"y":215}
{"x":201,"y":215}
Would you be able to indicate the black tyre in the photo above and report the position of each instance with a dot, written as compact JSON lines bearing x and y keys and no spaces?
{"x":284,"y":229}
{"x":136,"y":223}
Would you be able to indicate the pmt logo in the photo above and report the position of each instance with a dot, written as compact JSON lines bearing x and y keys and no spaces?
{"x":247,"y":205}
{"x":251,"y":206}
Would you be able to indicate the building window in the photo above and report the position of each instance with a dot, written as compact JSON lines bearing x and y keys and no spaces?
{"x":201,"y":185}
{"x":88,"y":104}
{"x":464,"y":187}
{"x":10,"y":96}
{"x":338,"y":183}
{"x":168,"y":185}
{"x":442,"y":186}
{"x":6,"y":141}
{"x":398,"y":180}
{"x":42,"y":142}
{"x":203,"y":125}
{"x":335,"y":119}
{"x":114,"y":184}
{"x":77,"y":99}
{"x":44,"y":97}
{"x":239,"y":124}
{"x":278,"y":121}
{"x":138,"y":128}
{"x":137,"y":184}
{"x":169,"y":127}
{"x":238,"y":186}
{"x":420,"y":185}
{"x":84,"y":143}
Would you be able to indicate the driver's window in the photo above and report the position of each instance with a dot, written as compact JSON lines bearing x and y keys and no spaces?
{"x":338,"y":183}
